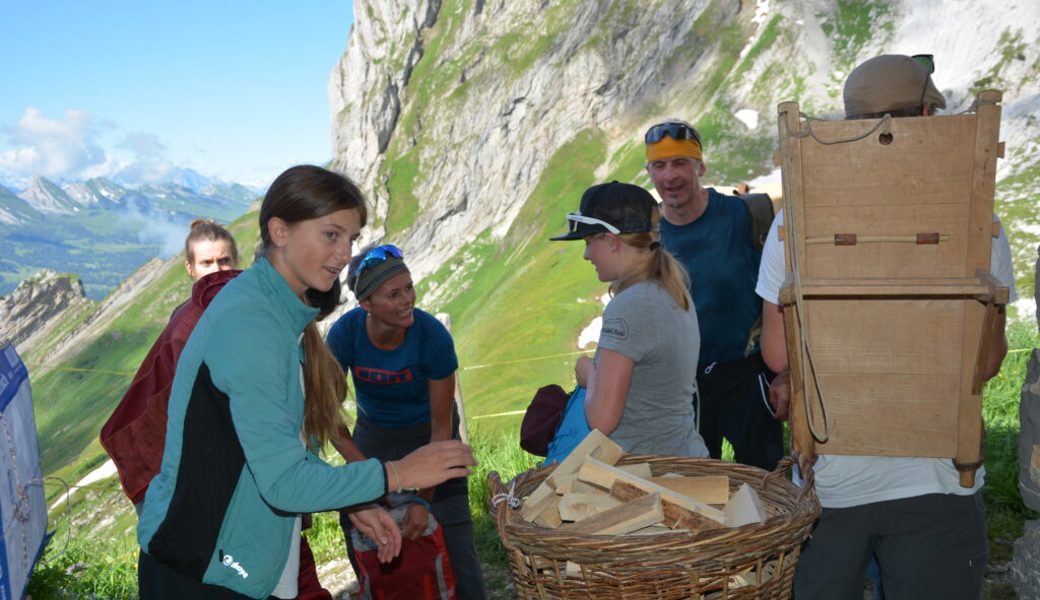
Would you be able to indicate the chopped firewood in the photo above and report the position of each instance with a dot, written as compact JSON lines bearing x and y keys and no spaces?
{"x":570,"y":484}
{"x":676,"y":516}
{"x":565,"y":483}
{"x":709,"y":489}
{"x":595,"y":445}
{"x":537,"y":500}
{"x":549,"y":515}
{"x":657,"y":529}
{"x":637,"y":469}
{"x":744,"y":508}
{"x":573,"y":569}
{"x":621,"y":519}
{"x":577,"y":506}
{"x":604,"y":475}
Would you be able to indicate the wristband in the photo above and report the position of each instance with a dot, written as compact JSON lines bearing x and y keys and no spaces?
{"x":391,"y":468}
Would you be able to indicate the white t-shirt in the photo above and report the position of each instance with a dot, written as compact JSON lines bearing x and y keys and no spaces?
{"x":843,"y":481}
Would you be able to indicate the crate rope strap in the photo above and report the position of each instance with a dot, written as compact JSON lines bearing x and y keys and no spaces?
{"x":791,"y":224}
{"x":884,"y":124}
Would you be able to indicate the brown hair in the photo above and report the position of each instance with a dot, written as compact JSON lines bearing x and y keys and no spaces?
{"x":301,"y":193}
{"x":207,"y":229}
{"x":659,"y":266}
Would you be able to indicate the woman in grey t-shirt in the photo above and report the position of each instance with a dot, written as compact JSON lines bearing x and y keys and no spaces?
{"x":641,"y":382}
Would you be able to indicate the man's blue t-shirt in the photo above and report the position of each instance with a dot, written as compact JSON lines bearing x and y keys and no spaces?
{"x":391,"y":386}
{"x":716,"y":250}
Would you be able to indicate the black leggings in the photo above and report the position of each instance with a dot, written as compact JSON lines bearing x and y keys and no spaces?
{"x":733,"y":398}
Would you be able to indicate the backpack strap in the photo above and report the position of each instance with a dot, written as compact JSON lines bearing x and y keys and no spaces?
{"x":760,"y":207}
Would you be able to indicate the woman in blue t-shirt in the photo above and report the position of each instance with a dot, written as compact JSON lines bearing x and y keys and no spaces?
{"x":403,"y":363}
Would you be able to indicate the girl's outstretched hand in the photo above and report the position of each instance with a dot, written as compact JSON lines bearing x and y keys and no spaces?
{"x":430,"y":465}
{"x":377,"y":524}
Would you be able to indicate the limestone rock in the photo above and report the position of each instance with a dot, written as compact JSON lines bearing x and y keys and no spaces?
{"x":36,"y":303}
{"x":1025,"y":567}
{"x":1029,"y":435}
{"x":513,"y":82}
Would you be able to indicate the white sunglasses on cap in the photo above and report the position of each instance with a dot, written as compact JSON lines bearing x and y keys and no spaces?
{"x":576,"y":217}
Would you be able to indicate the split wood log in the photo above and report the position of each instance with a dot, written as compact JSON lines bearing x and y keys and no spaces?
{"x":621,"y":519}
{"x":710,"y":489}
{"x":637,"y":469}
{"x":676,"y":516}
{"x":549,"y":516}
{"x":604,"y":475}
{"x":578,"y":506}
{"x":595,"y":445}
{"x":744,"y":507}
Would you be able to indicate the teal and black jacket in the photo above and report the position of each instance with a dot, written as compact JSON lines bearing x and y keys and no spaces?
{"x":235,"y":473}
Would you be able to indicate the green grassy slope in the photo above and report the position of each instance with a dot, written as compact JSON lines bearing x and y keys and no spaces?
{"x":525,"y":297}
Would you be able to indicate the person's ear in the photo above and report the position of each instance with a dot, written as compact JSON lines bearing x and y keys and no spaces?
{"x":702,"y":168}
{"x":366,"y":304}
{"x":278,"y":230}
{"x":189,"y":269}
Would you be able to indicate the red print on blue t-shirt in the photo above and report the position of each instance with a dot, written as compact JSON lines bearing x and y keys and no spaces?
{"x":382,"y":377}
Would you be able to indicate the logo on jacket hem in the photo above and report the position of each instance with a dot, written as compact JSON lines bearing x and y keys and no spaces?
{"x":229,"y":561}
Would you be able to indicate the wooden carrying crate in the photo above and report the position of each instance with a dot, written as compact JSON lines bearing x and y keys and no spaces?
{"x":751,"y":561}
{"x":889,"y":301}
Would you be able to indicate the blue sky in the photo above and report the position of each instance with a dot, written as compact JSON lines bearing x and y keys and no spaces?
{"x":236,"y":90}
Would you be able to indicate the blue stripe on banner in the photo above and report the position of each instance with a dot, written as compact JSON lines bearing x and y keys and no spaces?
{"x":5,"y":575}
{"x":12,"y":372}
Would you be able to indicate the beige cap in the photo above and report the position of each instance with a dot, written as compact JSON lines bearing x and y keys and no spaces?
{"x":889,"y":82}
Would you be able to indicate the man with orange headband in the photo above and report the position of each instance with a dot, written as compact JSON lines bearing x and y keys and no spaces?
{"x":710,"y":234}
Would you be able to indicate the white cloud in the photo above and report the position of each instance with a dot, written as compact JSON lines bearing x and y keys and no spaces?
{"x":146,"y":146}
{"x":149,"y":163}
{"x":52,"y":147}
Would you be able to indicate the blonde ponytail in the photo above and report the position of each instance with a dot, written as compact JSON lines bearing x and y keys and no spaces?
{"x":656,"y":265}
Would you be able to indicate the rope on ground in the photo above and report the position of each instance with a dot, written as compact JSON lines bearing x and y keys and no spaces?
{"x":501,"y":414}
{"x":68,"y":509}
{"x":522,"y":360}
{"x":85,"y":370}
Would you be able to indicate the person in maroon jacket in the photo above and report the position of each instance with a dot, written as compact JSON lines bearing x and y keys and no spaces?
{"x":135,"y":434}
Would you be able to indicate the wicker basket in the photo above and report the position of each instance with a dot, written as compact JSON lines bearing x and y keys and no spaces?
{"x":753,"y":561}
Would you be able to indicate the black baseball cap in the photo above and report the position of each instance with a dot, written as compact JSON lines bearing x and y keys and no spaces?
{"x":611,"y":207}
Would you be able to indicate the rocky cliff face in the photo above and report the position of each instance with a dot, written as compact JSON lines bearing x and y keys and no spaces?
{"x":447,"y":112}
{"x":28,"y":314}
{"x":111,"y":307}
{"x":503,"y":86}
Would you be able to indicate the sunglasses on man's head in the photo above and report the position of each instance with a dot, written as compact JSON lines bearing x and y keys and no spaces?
{"x":925,"y":60}
{"x":378,"y":255}
{"x":676,"y":131}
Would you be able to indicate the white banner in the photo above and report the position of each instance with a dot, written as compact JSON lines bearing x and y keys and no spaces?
{"x":23,"y":514}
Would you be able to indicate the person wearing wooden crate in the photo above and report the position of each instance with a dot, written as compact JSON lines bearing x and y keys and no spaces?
{"x":711,"y":235}
{"x":927,"y":532}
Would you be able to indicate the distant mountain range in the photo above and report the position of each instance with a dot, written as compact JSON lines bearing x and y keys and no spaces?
{"x":104,"y":230}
